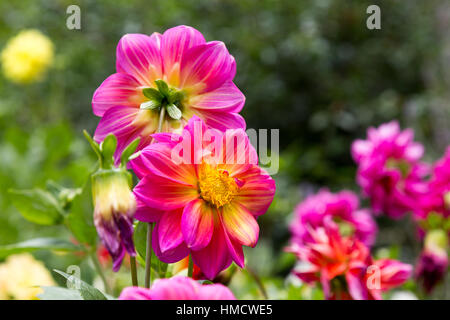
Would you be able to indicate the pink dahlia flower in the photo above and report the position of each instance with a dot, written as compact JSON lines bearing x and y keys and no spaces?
{"x":177,"y":70}
{"x":385,"y":274}
{"x":344,"y":267}
{"x":389,"y":171}
{"x":342,"y":207}
{"x":178,"y":288}
{"x":436,"y":199}
{"x":208,"y":203}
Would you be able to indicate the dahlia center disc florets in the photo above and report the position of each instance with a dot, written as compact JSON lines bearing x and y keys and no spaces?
{"x":216,"y":186}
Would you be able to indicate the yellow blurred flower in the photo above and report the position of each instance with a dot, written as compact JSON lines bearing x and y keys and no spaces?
{"x":20,"y":277}
{"x":27,"y":56}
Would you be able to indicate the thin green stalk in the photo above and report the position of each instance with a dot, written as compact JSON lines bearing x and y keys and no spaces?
{"x":99,"y":270}
{"x":148,"y":251}
{"x":258,"y":282}
{"x":190,"y":267}
{"x":134,"y":279}
{"x":148,"y":256}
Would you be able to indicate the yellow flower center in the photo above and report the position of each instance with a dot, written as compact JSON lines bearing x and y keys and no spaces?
{"x":216,"y":186}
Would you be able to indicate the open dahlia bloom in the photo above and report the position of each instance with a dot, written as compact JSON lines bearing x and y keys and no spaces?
{"x":208,"y":204}
{"x":115,"y":206}
{"x":343,"y":265}
{"x":177,"y":70}
{"x":342,"y":207}
{"x":389,"y":171}
{"x":178,"y":288}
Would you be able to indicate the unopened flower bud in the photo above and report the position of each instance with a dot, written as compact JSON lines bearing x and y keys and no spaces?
{"x":115,"y":206}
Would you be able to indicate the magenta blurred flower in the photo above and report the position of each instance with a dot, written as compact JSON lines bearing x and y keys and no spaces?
{"x":338,"y":263}
{"x":177,"y":70}
{"x":343,"y":207}
{"x":343,"y":265}
{"x":114,"y":210}
{"x":206,"y":205}
{"x":436,"y":198}
{"x":385,"y":274}
{"x":433,"y":261}
{"x":389,"y":171}
{"x":178,"y":288}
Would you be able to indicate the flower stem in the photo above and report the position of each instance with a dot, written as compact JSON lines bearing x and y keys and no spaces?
{"x":190,"y":266}
{"x":258,"y":282}
{"x":148,"y":251}
{"x":99,"y":270}
{"x":134,"y":279}
{"x":148,"y":256}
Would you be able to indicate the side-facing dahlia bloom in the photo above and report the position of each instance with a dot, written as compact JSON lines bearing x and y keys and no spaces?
{"x":114,"y":208}
{"x":389,"y":171}
{"x":208,"y":203}
{"x":343,"y":265}
{"x":385,"y":274}
{"x":436,"y":198}
{"x":342,"y":207}
{"x":178,"y":288}
{"x":433,"y":261}
{"x":177,"y":70}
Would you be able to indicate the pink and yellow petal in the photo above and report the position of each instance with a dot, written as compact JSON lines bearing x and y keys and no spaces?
{"x":197,"y":224}
{"x":163,"y":193}
{"x":240,"y":224}
{"x":175,"y":43}
{"x":206,"y":67}
{"x":173,"y":255}
{"x":117,"y":89}
{"x":226,"y":98}
{"x":139,"y":55}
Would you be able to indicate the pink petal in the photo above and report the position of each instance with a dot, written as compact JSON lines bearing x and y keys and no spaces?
{"x":215,"y":256}
{"x":197,"y":224}
{"x":175,"y":253}
{"x":135,"y":293}
{"x":163,"y":193}
{"x":226,"y":98}
{"x":206,"y":67}
{"x":257,"y":191}
{"x":240,"y":224}
{"x":121,"y":121}
{"x":215,"y":292}
{"x":138,"y":55}
{"x":169,"y":230}
{"x":158,"y":159}
{"x":174,"y":45}
{"x":234,"y":248}
{"x":117,"y":89}
{"x":177,"y":288}
{"x":147,"y":214}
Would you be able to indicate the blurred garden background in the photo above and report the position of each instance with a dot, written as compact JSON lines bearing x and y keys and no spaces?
{"x":309,"y":68}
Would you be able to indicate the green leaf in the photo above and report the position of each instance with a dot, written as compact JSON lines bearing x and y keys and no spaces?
{"x":140,"y":238}
{"x":37,"y":244}
{"x":128,"y":151}
{"x":58,"y":293}
{"x":37,"y":206}
{"x":150,"y":105}
{"x":87,"y":291}
{"x":174,"y":112}
{"x":175,"y":96}
{"x":64,"y":195}
{"x":94,"y":146}
{"x":80,"y":218}
{"x":162,"y":87}
{"x":152,"y":94}
{"x":108,"y":148}
{"x":140,"y":243}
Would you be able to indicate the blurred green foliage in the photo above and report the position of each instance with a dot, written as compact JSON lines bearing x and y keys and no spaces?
{"x":310,"y":68}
